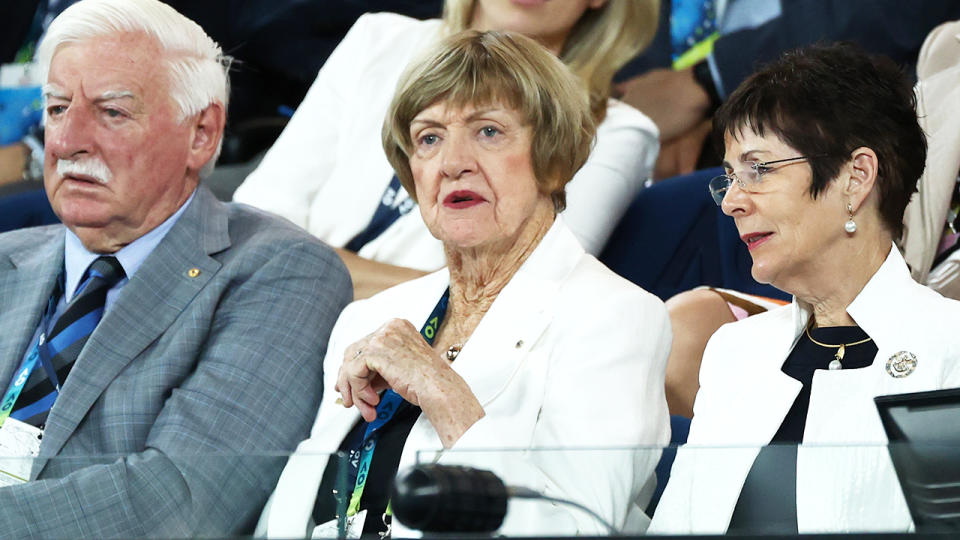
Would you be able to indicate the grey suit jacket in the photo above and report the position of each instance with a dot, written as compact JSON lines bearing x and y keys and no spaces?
{"x":176,"y":411}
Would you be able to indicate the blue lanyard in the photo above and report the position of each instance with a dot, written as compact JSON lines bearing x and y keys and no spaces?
{"x":392,"y":206}
{"x":15,"y":388}
{"x":44,"y":354}
{"x":390,"y":403}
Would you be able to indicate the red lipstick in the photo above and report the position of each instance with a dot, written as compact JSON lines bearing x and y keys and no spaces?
{"x":462,"y":199}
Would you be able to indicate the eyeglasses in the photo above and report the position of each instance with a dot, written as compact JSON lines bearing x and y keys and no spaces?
{"x":748,"y":180}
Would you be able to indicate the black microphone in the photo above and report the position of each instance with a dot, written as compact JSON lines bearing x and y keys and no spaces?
{"x":452,"y":498}
{"x":446,"y":498}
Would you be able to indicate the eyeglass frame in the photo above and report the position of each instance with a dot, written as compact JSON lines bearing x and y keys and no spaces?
{"x":718,"y":193}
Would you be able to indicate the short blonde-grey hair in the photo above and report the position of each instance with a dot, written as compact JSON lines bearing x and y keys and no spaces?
{"x":602,"y":41}
{"x":498,"y":68}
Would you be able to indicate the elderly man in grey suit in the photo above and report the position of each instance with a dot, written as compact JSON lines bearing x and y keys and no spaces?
{"x":163,"y":348}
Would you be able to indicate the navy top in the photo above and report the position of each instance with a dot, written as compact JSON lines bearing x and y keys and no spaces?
{"x":768,"y":500}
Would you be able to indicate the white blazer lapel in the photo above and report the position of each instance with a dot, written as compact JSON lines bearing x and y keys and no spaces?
{"x":502,"y":342}
{"x":505,"y":335}
{"x":728,"y":429}
{"x":498,"y":346}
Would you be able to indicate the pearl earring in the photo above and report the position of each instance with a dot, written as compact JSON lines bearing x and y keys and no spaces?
{"x":850,"y":226}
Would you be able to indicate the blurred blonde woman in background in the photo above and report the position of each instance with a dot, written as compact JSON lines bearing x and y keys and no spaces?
{"x":327,"y":172}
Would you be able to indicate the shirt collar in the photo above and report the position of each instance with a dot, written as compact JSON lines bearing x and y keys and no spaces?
{"x":77,"y":258}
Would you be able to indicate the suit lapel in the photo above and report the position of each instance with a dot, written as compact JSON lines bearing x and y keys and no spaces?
{"x":155,"y":296}
{"x":27,"y":278}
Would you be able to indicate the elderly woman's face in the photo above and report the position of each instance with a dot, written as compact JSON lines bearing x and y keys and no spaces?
{"x":473,"y":174}
{"x":789,"y":234}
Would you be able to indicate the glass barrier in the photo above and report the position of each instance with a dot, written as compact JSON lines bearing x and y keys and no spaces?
{"x":890,"y":491}
{"x":775,"y":490}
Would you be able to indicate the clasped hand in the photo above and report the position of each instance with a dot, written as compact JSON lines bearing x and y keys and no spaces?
{"x":396,"y":356}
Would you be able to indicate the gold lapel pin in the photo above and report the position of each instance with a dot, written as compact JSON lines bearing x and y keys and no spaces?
{"x":901,"y":364}
{"x":193,"y":272}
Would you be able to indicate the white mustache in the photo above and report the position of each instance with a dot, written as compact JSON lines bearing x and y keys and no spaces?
{"x":92,"y":167}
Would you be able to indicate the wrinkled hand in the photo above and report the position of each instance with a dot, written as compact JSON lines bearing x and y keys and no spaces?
{"x":680,"y":155}
{"x":396,"y":356}
{"x":672,"y":99}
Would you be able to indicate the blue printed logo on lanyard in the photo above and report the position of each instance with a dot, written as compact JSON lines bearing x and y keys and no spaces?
{"x":390,"y":403}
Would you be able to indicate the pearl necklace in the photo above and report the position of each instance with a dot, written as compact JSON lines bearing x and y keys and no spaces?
{"x":841,"y":349}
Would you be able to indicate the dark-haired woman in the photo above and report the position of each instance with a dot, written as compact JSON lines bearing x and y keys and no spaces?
{"x":823,"y":151}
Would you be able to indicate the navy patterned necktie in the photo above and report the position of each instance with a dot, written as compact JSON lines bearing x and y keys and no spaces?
{"x":63,"y":343}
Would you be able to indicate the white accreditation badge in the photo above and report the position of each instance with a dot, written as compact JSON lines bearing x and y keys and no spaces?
{"x":19,"y":444}
{"x":354,"y":527}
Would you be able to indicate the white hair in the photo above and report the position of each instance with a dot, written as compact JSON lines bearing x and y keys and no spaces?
{"x":196,"y":65}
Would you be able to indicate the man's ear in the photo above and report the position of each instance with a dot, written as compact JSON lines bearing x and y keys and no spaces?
{"x":861,"y":177}
{"x":206,"y":130}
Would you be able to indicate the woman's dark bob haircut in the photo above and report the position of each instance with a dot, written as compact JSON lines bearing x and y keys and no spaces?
{"x":827,"y":100}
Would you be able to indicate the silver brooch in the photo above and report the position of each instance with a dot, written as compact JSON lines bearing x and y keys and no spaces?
{"x":901,"y":364}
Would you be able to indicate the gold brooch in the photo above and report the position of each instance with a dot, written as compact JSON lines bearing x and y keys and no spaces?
{"x":901,"y":364}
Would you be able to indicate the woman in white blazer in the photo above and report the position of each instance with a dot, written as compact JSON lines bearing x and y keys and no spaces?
{"x":823,"y":151}
{"x":532,"y":343}
{"x":327,"y":172}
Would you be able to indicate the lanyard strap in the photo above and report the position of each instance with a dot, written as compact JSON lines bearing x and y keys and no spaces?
{"x":17,"y":384}
{"x":15,"y":388}
{"x":390,"y":403}
{"x":392,"y":206}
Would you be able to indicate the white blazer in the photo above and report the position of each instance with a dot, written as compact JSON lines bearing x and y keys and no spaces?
{"x":569,"y":355}
{"x":744,"y":398}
